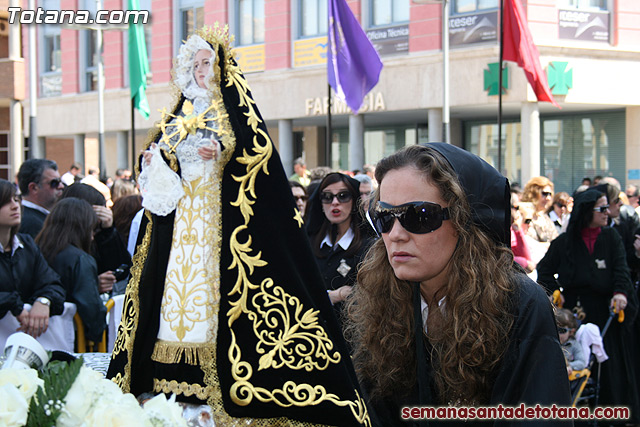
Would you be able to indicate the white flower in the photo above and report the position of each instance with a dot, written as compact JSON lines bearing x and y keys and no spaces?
{"x":88,"y":390}
{"x":25,"y":380}
{"x":163,"y":412}
{"x":124,"y":411}
{"x":13,"y":406}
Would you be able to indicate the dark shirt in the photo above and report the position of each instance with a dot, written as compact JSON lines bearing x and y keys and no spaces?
{"x":109,"y":250}
{"x":628,"y":225}
{"x":79,"y":276}
{"x":25,"y":276}
{"x":32,"y":221}
{"x":532,"y":370}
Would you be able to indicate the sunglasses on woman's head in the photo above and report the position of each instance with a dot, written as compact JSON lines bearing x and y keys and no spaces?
{"x":601,"y":209}
{"x":327,"y":197}
{"x":415,"y":217}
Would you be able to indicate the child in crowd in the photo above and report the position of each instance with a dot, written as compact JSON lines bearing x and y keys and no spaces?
{"x":567,"y":326}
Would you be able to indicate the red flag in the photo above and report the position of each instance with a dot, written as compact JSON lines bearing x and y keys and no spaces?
{"x":518,"y":47}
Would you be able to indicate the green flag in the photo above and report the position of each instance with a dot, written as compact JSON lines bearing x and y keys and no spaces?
{"x":138,"y":64}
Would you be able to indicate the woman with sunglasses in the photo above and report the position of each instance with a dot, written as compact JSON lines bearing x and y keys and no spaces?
{"x":559,"y":210}
{"x":539,"y":191}
{"x":25,"y":276}
{"x":300,"y":195}
{"x":441,"y":315}
{"x":590,"y":263}
{"x":337,"y":238}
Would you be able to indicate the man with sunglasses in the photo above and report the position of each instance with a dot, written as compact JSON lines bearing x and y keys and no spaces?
{"x":41,"y":187}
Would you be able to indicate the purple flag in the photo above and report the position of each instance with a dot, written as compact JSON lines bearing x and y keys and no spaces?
{"x":353,"y":65}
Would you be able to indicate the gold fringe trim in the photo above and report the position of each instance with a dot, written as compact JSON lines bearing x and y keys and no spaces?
{"x":171,"y":353}
{"x":164,"y":386}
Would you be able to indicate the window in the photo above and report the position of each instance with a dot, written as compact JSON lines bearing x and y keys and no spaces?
{"x":482,"y":140}
{"x":4,"y":156}
{"x":51,"y":41}
{"x":584,"y":4}
{"x":470,"y":6}
{"x":50,"y":56}
{"x":379,"y":142}
{"x":585,"y":145}
{"x":313,"y":17}
{"x":386,"y":12}
{"x":191,"y":18}
{"x":88,"y":59}
{"x":250,"y":21}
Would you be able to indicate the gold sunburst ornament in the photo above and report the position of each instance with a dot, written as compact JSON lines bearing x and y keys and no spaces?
{"x":189,"y":123}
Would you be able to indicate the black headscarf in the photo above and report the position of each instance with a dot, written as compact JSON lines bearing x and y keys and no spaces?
{"x":487,"y":190}
{"x":582,"y":206}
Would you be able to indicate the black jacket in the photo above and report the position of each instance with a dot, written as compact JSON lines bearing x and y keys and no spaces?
{"x":26,"y":276}
{"x":591,"y":280}
{"x":32,"y":221}
{"x":109,"y":250}
{"x":628,"y":225}
{"x":532,"y":370}
{"x":79,"y":276}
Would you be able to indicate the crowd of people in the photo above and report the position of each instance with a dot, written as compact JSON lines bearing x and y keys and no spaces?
{"x":62,"y":242}
{"x":329,"y":297}
{"x":587,"y":247}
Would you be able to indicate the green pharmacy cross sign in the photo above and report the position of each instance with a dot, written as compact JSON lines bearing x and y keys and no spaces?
{"x":492,"y":78}
{"x":560,"y":80}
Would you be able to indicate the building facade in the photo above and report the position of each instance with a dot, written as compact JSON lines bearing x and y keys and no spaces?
{"x":12,"y":93}
{"x":590,"y":50}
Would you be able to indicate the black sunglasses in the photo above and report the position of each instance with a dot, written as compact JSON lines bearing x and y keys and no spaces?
{"x":415,"y":217}
{"x":326,"y":197}
{"x":303,"y":198}
{"x":55,"y":183}
{"x":562,"y":330}
{"x":601,"y":209}
{"x":547,"y":194}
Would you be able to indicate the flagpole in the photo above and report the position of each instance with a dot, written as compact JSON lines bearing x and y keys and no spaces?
{"x":500,"y":87}
{"x":133,"y":138}
{"x":327,"y":150}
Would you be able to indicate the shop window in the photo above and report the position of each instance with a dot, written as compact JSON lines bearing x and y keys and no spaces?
{"x":250,"y":21}
{"x":482,"y":140}
{"x":586,"y":145}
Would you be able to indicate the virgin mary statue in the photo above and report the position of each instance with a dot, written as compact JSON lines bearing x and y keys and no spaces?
{"x":226,"y":306}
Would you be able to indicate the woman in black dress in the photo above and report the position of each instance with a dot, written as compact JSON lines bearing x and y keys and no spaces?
{"x":590,"y":262}
{"x":336,"y":233}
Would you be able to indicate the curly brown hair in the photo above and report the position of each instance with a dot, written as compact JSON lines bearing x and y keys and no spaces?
{"x":473,"y":326}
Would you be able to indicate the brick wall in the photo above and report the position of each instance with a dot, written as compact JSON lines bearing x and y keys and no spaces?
{"x":277,"y":34}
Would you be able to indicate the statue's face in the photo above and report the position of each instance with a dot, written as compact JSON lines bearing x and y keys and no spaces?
{"x":202,"y":67}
